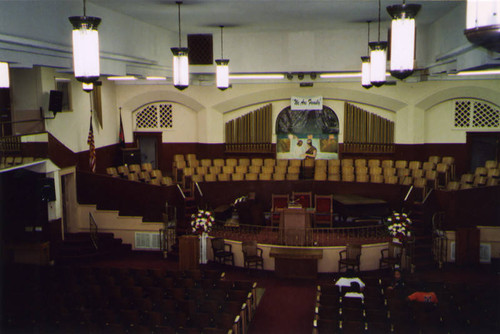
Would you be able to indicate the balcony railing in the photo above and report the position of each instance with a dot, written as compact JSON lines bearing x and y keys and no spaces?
{"x":309,"y":237}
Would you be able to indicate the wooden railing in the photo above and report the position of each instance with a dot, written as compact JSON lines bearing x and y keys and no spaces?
{"x":314,"y":237}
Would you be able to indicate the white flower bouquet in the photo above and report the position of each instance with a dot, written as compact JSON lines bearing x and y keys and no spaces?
{"x":202,"y":221}
{"x":398,"y":225}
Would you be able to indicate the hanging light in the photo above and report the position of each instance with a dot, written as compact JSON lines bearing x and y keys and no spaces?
{"x":365,"y":66}
{"x":483,"y":23}
{"x":378,"y":58}
{"x":87,"y":87}
{"x":180,"y":60}
{"x":403,"y":39}
{"x":4,"y":75}
{"x":222,"y":66}
{"x":85,"y":47}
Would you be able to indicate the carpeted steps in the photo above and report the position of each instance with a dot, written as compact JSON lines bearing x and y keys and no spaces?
{"x":422,"y":257}
{"x":78,"y":247}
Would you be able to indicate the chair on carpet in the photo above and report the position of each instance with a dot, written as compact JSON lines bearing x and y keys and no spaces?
{"x":278,"y":203}
{"x":323,"y":205}
{"x":222,"y":251}
{"x":252,"y":255}
{"x":391,"y":256}
{"x":350,"y":257}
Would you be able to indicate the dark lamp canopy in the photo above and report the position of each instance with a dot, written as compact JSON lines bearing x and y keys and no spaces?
{"x":377,"y":46}
{"x":85,"y":22}
{"x":485,"y":36}
{"x":403,"y":11}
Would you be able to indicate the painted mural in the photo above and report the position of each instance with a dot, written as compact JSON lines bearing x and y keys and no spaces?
{"x":307,"y":134}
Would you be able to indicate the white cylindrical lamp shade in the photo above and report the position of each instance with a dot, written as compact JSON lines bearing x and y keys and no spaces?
{"x":4,"y":75}
{"x":378,"y":62}
{"x":402,"y":39}
{"x":483,"y":23}
{"x":180,"y":68}
{"x":365,"y":72}
{"x":222,"y":73}
{"x":85,"y":48}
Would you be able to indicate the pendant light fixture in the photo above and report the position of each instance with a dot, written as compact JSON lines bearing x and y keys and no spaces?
{"x":378,"y":58}
{"x":483,"y":23}
{"x":180,"y":60}
{"x":222,"y":65}
{"x":403,"y":39}
{"x":365,"y":65}
{"x":85,"y":46}
{"x":4,"y":75}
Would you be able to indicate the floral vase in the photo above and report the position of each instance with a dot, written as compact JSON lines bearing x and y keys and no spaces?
{"x":203,"y":248}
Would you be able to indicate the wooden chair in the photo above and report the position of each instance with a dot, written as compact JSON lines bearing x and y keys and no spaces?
{"x":391,"y":256}
{"x":205,"y":163}
{"x":323,"y":213}
{"x":166,"y":181}
{"x":251,"y":176}
{"x":244,"y":162}
{"x":265,"y":176}
{"x":222,"y":251}
{"x":279,"y":177}
{"x":303,"y":198}
{"x":489,"y":164}
{"x":350,"y":257}
{"x":269,"y":162}
{"x":210,"y":177}
{"x":252,"y":255}
{"x":278,"y":202}
{"x":387,"y":163}
{"x":292,"y":176}
{"x":111,"y":171}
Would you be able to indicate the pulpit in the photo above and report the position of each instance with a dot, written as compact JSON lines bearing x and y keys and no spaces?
{"x":294,"y":225}
{"x":189,"y":252}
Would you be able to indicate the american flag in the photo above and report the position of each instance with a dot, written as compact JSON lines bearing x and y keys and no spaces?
{"x":92,"y":154}
{"x":121,"y":134}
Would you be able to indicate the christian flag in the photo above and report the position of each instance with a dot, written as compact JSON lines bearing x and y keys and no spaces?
{"x":92,"y":154}
{"x":122,"y":134}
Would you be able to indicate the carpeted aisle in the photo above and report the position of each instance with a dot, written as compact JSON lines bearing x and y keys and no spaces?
{"x":287,"y":307}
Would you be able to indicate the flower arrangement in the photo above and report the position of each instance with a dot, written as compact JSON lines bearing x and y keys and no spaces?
{"x":202,"y":221}
{"x":398,"y":225}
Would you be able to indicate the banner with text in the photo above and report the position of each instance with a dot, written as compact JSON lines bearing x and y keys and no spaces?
{"x":306,"y":103}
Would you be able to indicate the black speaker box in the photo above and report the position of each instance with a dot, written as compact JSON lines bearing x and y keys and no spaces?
{"x":200,"y":49}
{"x":55,"y":101}
{"x":47,"y":189}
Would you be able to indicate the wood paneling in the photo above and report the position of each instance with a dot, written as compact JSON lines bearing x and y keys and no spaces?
{"x":130,"y":198}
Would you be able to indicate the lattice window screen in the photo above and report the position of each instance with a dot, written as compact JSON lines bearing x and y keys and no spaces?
{"x":462,"y":114}
{"x":155,"y":116}
{"x":166,"y":116}
{"x":485,"y":116}
{"x":147,"y":118}
{"x":476,"y":115}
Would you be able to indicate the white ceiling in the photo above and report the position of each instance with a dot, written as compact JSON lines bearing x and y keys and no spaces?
{"x":268,"y":15}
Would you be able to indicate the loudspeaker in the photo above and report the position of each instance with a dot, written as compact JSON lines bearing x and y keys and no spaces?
{"x":200,"y":49}
{"x":55,"y":101}
{"x":47,"y":189}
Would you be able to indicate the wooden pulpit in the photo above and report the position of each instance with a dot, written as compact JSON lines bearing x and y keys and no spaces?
{"x":293,"y":225}
{"x":189,"y":252}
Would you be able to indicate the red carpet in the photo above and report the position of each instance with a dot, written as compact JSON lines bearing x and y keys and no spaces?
{"x":287,"y":307}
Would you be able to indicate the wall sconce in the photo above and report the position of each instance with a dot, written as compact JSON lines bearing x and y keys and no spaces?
{"x":85,"y":47}
{"x":222,"y":66}
{"x":180,"y":60}
{"x":4,"y":75}
{"x":403,"y":39}
{"x":483,"y":24}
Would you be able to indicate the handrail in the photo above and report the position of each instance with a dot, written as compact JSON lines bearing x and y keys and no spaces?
{"x":427,"y":195}
{"x":309,"y":237}
{"x":182,"y":192}
{"x":93,"y":230}
{"x":408,"y":193}
{"x":199,"y":189}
